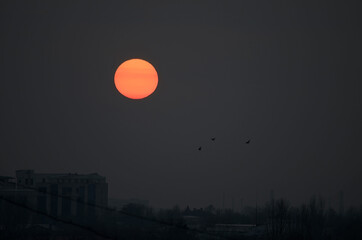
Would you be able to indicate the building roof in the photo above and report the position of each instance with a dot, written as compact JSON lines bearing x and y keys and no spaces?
{"x":5,"y":178}
{"x":61,"y":175}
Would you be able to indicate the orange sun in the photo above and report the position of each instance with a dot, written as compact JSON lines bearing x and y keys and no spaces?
{"x":136,"y":79}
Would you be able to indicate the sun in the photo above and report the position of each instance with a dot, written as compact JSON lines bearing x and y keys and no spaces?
{"x":136,"y":79}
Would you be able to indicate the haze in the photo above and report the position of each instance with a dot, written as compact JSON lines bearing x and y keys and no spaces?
{"x":286,"y":75}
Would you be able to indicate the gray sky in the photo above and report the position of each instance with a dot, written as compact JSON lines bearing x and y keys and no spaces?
{"x":285,"y":74}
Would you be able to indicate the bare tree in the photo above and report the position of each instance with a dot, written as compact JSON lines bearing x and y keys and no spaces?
{"x":277,"y":218}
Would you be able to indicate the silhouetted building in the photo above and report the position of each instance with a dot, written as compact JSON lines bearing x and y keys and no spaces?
{"x":11,"y":213}
{"x":65,"y":194}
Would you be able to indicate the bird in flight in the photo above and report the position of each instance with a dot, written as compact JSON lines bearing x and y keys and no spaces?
{"x":213,"y":139}
{"x":247,"y":142}
{"x":199,"y":148}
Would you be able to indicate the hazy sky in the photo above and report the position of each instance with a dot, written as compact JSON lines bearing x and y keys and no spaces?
{"x":285,"y":74}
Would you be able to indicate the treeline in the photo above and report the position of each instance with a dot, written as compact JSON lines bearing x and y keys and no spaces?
{"x":310,"y":221}
{"x":276,"y":220}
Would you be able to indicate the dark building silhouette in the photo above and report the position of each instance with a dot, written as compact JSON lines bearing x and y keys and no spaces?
{"x":10,"y":213}
{"x":65,"y":194}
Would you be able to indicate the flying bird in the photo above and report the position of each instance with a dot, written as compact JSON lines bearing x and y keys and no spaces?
{"x":247,"y":142}
{"x":199,"y":148}
{"x":213,"y":139}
